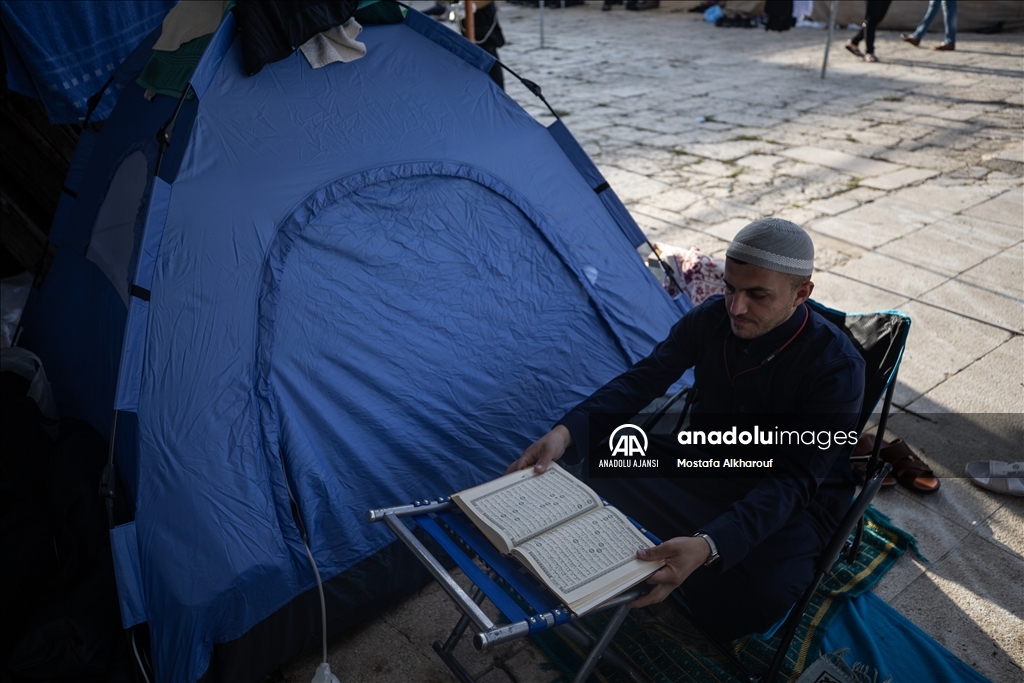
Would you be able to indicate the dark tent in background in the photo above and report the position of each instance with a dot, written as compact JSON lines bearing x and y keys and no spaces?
{"x":358,"y":285}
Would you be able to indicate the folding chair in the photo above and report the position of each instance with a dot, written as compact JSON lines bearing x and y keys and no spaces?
{"x":881,"y":338}
{"x":527,"y":605}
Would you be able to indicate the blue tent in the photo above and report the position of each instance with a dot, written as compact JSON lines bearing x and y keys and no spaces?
{"x":374,"y":282}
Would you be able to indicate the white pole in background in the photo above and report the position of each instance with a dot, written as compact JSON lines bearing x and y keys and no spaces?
{"x":831,"y":26}
{"x":541,"y":6}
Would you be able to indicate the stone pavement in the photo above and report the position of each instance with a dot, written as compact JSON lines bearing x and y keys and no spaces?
{"x":909,"y":174}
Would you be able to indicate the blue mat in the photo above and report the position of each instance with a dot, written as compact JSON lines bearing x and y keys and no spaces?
{"x":877,"y":635}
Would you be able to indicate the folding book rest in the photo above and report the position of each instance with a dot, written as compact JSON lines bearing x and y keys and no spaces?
{"x":533,"y":609}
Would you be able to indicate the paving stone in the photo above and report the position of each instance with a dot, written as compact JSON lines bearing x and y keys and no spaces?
{"x":1003,"y":527}
{"x":951,"y":199}
{"x":980,"y":301}
{"x":1004,"y":179}
{"x":673,"y":200}
{"x":949,"y":246}
{"x":717,"y":210}
{"x":985,"y":386}
{"x":844,"y":294}
{"x":893,"y":273}
{"x":1014,"y":152}
{"x":834,"y":205}
{"x":971,"y":604}
{"x":1002,"y":272}
{"x":796,"y":214}
{"x":863,"y":195}
{"x":726,"y":230}
{"x":375,"y":653}
{"x":898,"y":179}
{"x":710,"y":167}
{"x":922,"y":159}
{"x":631,"y":186}
{"x":936,"y":535}
{"x":1007,"y":208}
{"x":868,"y":136}
{"x":728,"y":151}
{"x":763,"y":162}
{"x":878,"y":222}
{"x":531,"y":666}
{"x":940,"y":345}
{"x":840,"y":161}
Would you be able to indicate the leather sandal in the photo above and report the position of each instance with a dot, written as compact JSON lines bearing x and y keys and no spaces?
{"x":865,"y":443}
{"x":910,"y":471}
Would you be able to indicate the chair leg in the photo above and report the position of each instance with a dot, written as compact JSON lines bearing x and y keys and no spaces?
{"x":789,"y":628}
{"x":618,"y":616}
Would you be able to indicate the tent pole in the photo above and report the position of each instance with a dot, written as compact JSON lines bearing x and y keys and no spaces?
{"x":831,"y":27}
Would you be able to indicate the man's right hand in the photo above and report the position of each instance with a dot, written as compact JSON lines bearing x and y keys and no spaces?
{"x":543,"y":451}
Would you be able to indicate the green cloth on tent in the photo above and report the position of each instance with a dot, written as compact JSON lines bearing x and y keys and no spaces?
{"x":371,"y":12}
{"x":168,"y":73}
{"x":649,"y":639}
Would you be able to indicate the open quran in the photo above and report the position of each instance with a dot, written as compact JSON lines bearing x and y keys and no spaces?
{"x":557,"y":527}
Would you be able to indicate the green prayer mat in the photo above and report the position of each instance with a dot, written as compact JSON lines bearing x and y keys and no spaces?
{"x":650,"y":639}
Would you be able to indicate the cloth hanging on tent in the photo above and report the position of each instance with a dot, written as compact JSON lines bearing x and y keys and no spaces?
{"x":63,"y":52}
{"x":168,"y":73}
{"x":273,"y":29}
{"x":190,"y":19}
{"x":371,"y":12}
{"x":185,"y":33}
{"x":334,"y":45}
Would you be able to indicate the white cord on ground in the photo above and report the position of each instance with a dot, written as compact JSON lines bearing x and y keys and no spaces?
{"x":323,"y":672}
{"x":139,"y":659}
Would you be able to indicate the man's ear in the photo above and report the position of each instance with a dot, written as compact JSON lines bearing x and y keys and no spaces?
{"x":803,"y":293}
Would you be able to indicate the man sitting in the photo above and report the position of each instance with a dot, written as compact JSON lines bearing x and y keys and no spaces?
{"x":745,"y":547}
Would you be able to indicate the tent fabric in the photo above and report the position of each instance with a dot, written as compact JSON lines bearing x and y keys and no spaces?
{"x":376,"y":282}
{"x":82,"y":45}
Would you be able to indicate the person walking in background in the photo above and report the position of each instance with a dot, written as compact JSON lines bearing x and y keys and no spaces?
{"x":487,"y":34}
{"x":948,"y":17}
{"x":873,"y":16}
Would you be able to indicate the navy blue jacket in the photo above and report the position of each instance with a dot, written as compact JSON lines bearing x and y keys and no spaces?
{"x":815,"y":383}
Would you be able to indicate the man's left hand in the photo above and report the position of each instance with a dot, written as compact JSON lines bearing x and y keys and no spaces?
{"x":682,"y":555}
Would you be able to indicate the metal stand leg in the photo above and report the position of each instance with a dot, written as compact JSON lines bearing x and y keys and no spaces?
{"x":599,"y":647}
{"x":582,"y":636}
{"x":445,"y":650}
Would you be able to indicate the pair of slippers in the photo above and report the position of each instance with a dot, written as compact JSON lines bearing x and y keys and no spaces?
{"x":908,"y":469}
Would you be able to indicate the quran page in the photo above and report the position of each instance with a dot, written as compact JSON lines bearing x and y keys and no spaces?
{"x":589,"y":559}
{"x":517,"y":507}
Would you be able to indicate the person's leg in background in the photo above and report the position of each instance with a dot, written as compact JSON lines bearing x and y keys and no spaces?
{"x":949,"y":17}
{"x":922,"y":28}
{"x":853,"y":44}
{"x":876,"y":10}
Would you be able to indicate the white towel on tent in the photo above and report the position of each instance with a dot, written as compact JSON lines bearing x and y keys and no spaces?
{"x":336,"y":44}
